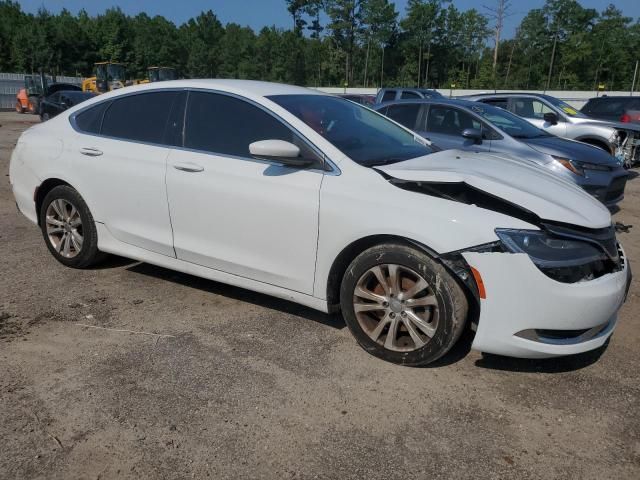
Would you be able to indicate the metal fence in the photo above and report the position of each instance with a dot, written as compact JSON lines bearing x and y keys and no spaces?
{"x":11,"y":83}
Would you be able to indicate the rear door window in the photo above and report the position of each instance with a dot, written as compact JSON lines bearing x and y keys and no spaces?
{"x":497,"y":102}
{"x":406,"y":115}
{"x":90,"y":120}
{"x":141,"y":117}
{"x":409,"y":95}
{"x":389,"y":95}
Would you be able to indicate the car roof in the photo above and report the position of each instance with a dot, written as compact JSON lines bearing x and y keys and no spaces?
{"x":508,"y":94}
{"x":249,"y":88}
{"x":447,"y":101}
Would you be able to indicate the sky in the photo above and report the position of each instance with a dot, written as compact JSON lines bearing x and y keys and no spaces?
{"x":260,"y":13}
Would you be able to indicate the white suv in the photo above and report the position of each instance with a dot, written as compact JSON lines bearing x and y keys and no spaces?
{"x":323,"y":202}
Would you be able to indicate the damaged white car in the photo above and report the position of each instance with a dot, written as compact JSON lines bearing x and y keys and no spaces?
{"x":320,"y":201}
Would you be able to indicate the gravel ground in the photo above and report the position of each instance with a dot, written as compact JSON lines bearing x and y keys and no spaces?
{"x":227,"y":383}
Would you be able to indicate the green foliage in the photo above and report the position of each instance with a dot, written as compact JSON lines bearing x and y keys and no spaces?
{"x":330,"y":42}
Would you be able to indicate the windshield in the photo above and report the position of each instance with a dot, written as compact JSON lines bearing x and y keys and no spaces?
{"x":509,"y":123}
{"x":366,"y":137}
{"x":167,"y":74}
{"x":565,"y":107}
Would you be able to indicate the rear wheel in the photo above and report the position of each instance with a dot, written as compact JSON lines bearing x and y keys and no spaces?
{"x":401,"y":305}
{"x":68,"y":228}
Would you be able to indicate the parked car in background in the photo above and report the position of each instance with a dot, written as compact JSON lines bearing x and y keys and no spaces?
{"x":617,"y":109}
{"x":60,"y":101}
{"x":389,"y":94}
{"x":362,"y":99}
{"x":467,"y":125}
{"x":321,"y":201}
{"x":559,"y":118}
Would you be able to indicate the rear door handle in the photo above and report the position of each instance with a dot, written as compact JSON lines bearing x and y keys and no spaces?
{"x":90,"y":152}
{"x":188,"y":167}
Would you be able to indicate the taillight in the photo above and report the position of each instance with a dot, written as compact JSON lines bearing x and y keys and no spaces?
{"x":625,"y":118}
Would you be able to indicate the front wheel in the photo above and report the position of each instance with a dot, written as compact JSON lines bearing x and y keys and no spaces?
{"x":401,"y":305}
{"x":68,"y":228}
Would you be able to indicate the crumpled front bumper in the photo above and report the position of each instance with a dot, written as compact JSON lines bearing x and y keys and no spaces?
{"x":529,"y":315}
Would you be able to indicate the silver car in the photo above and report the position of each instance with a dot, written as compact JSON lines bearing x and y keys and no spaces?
{"x":466,"y":125}
{"x":559,"y":118}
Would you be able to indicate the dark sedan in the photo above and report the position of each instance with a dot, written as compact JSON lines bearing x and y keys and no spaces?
{"x":60,"y":101}
{"x":466,"y":125}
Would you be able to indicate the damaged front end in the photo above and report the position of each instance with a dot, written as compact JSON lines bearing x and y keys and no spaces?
{"x":626,"y":146}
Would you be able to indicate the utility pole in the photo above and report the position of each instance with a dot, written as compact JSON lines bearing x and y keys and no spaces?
{"x":633,"y":83}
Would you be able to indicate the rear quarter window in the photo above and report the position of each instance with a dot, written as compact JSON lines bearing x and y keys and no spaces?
{"x":90,"y":120}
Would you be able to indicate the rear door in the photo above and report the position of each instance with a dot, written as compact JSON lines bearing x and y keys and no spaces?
{"x":119,"y":158}
{"x":406,"y":114}
{"x":252,"y":218}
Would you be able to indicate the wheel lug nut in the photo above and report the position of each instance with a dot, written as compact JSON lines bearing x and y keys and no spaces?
{"x":392,"y":315}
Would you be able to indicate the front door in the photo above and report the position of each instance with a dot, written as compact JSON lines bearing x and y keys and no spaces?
{"x":444,"y":127}
{"x":237,"y":214}
{"x":533,"y":110}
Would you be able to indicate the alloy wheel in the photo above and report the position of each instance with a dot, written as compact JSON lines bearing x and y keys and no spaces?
{"x":64,"y":228}
{"x":396,"y":307}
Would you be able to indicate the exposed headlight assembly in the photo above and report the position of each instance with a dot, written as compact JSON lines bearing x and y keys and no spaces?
{"x":547,"y":251}
{"x":579,"y":167}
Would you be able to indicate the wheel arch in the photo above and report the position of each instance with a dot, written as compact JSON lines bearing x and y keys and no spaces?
{"x":44,"y":188}
{"x":355,"y":248}
{"x":595,"y":142}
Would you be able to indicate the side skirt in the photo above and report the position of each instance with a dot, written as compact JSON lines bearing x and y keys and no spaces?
{"x":109,"y":244}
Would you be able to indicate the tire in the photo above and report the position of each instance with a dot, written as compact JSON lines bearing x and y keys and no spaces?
{"x":68,"y":228}
{"x":44,"y":117}
{"x":19,"y":108}
{"x":429,"y":308}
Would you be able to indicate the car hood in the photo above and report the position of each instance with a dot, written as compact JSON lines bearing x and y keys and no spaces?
{"x":608,"y":123}
{"x":531,"y":187}
{"x":561,"y":147}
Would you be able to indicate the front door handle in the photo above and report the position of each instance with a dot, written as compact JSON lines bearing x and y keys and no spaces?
{"x":90,"y":152}
{"x":188,"y":167}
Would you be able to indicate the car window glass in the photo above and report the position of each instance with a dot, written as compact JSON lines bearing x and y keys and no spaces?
{"x":389,"y":95}
{"x":90,"y":120}
{"x":366,"y":137}
{"x":409,"y":94}
{"x":142,"y":117}
{"x":530,"y":108}
{"x":55,"y":98}
{"x":606,"y":107}
{"x":227,"y":125}
{"x":450,"y":121}
{"x":496,"y":102}
{"x":404,"y":114}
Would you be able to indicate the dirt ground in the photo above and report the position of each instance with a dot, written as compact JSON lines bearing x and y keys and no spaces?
{"x":227,"y":383}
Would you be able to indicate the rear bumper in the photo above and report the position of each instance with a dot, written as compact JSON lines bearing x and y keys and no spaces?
{"x":529,"y":315}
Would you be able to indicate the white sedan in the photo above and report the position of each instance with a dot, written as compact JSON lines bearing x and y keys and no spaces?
{"x":318,"y":200}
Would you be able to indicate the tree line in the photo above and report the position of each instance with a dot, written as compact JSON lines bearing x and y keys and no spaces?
{"x":342,"y":42}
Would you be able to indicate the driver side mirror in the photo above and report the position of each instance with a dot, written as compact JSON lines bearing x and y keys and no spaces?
{"x":551,"y":118}
{"x":279,"y":151}
{"x":473,"y":134}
